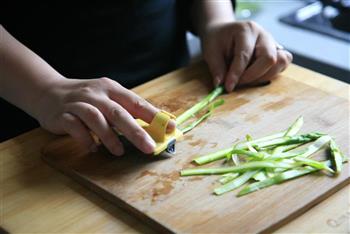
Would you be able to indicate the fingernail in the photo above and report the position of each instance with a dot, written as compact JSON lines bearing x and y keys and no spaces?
{"x":149,"y":145}
{"x":171,"y":126}
{"x":93,"y":148}
{"x":217,"y":81}
{"x":230,"y":86}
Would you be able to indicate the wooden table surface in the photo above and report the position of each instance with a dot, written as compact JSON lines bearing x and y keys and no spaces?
{"x":36,"y":198}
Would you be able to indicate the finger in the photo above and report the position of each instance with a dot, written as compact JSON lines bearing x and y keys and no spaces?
{"x":217,"y":67}
{"x":284,"y":58}
{"x":243,"y":52}
{"x":74,"y":127}
{"x":266,"y":57}
{"x":126,"y":124}
{"x":137,"y":106}
{"x":95,"y":121}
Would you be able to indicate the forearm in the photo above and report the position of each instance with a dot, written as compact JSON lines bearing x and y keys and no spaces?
{"x":206,"y":13}
{"x":23,"y":74}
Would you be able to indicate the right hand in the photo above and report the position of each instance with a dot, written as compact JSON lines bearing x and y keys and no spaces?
{"x":78,"y":107}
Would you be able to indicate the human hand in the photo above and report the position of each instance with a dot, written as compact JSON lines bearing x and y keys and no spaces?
{"x":242,"y":53}
{"x":78,"y":107}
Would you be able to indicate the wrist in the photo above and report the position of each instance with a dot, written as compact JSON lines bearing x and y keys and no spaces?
{"x":46,"y":94}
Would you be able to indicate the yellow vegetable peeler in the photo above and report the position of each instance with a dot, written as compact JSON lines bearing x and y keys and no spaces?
{"x":157,"y":130}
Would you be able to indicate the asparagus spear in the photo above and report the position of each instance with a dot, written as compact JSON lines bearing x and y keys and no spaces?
{"x":241,"y":168}
{"x":199,"y":106}
{"x":235,"y":183}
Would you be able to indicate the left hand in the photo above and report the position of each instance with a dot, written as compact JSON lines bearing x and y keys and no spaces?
{"x":242,"y":53}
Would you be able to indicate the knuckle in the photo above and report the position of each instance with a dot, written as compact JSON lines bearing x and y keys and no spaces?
{"x":116,"y":113}
{"x":85,"y":90}
{"x":270,"y":59}
{"x":283,"y":61}
{"x":91,"y":114}
{"x":139,"y":104}
{"x":104,"y":81}
{"x":249,"y":26}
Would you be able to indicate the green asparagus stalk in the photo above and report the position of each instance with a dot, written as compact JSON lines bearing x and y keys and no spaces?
{"x":337,"y":157}
{"x":235,"y":183}
{"x":225,"y":178}
{"x":199,"y":106}
{"x":253,"y":165}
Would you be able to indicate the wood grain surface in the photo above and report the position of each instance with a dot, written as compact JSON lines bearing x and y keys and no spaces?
{"x":152,"y":188}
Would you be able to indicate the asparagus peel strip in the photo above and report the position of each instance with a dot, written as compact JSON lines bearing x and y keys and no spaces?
{"x":224,"y":152}
{"x":279,"y":178}
{"x":270,"y":160}
{"x":199,"y":106}
{"x":235,"y":159}
{"x":306,"y":152}
{"x":192,"y":125}
{"x":287,"y":140}
{"x":291,"y":131}
{"x":295,"y":127}
{"x":260,"y":176}
{"x":225,"y":178}
{"x":235,"y":183}
{"x":213,"y":156}
{"x":313,"y":163}
{"x":240,"y":168}
{"x":337,"y":157}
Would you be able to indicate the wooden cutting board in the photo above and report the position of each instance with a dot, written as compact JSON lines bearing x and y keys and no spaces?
{"x":152,"y":189}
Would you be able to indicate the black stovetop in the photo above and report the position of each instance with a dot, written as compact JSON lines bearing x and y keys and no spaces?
{"x":329,"y":20}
